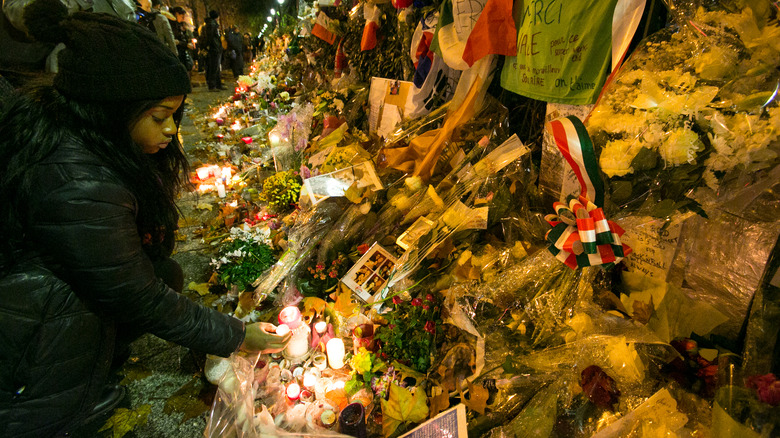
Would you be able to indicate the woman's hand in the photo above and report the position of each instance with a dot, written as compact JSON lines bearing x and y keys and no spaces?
{"x":261,"y":337}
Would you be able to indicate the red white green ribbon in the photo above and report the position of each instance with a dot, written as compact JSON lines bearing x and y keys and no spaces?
{"x":575,"y":146}
{"x":582,"y":235}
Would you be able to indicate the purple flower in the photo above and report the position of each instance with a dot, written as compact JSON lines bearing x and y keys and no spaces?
{"x":305,"y":172}
{"x":301,"y":145}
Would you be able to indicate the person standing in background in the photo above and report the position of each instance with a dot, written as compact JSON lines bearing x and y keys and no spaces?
{"x":150,"y":16}
{"x":235,"y":51}
{"x":212,"y":39}
{"x":183,"y":37}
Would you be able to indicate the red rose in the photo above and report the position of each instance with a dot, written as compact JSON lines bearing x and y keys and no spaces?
{"x":416,"y":302}
{"x":396,"y":300}
{"x":429,"y":298}
{"x":767,"y":387}
{"x":430,"y":327}
{"x":426,"y":307}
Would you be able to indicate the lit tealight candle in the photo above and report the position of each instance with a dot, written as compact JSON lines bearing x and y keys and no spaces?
{"x":203,"y":172}
{"x":309,"y":380}
{"x":293,"y":391}
{"x":321,"y":326}
{"x":335,"y":349}
{"x":226,"y":173}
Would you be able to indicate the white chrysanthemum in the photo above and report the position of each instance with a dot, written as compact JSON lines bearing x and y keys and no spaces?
{"x":616,"y":157}
{"x":680,"y":146}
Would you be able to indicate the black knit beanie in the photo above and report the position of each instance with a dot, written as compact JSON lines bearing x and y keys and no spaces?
{"x":106,"y":58}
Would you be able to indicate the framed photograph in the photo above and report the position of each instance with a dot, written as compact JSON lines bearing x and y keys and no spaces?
{"x":370,"y":273}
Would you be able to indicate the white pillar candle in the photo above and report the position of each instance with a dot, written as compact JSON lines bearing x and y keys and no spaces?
{"x":221,"y":189}
{"x":335,"y":349}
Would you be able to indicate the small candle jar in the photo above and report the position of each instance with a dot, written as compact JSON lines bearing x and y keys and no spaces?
{"x":335,"y":350}
{"x":328,"y":418}
{"x":298,"y":347}
{"x":293,"y":391}
{"x":319,"y":360}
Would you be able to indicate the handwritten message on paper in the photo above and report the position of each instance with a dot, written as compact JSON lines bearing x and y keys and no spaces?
{"x":654,"y":243}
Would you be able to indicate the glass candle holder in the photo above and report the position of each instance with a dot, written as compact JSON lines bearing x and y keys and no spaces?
{"x":352,"y":420}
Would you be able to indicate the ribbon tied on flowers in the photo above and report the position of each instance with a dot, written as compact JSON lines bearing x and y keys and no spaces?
{"x":581,"y":235}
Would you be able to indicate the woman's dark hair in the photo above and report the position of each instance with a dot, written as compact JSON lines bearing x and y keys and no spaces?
{"x":32,"y":126}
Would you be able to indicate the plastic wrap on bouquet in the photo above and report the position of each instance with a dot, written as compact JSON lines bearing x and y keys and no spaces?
{"x":693,"y":113}
{"x":738,"y":412}
{"x":721,"y":261}
{"x":311,"y":227}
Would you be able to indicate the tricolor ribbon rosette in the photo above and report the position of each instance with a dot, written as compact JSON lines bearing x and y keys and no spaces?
{"x":581,"y":235}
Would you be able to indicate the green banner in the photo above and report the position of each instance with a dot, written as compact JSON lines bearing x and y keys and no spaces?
{"x":563,"y":50}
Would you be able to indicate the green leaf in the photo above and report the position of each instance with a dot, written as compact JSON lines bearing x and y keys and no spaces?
{"x":401,"y":407}
{"x":125,"y":420}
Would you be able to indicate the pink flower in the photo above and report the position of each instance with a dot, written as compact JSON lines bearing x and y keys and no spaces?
{"x":430,"y":327}
{"x":416,"y":302}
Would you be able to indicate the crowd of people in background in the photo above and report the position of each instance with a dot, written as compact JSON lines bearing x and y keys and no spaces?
{"x":209,"y":47}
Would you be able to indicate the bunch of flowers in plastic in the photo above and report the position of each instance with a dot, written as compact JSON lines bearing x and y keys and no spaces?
{"x":281,"y":190}
{"x":242,"y":260}
{"x":321,"y":278}
{"x":410,"y":334}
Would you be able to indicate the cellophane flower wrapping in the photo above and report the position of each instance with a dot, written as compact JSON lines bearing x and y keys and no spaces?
{"x":243,"y":380}
{"x":693,"y":112}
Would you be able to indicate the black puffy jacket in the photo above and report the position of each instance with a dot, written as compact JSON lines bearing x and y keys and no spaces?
{"x":82,"y":271}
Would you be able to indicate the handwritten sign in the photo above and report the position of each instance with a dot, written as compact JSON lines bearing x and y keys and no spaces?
{"x":563,"y":50}
{"x":654,"y":243}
